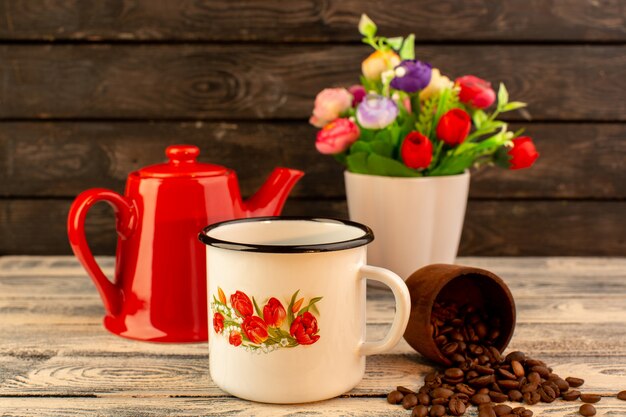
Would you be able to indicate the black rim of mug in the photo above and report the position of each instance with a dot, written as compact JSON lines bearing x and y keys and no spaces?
{"x":366,"y":238}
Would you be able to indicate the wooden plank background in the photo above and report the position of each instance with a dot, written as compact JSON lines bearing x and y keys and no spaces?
{"x":92,"y":90}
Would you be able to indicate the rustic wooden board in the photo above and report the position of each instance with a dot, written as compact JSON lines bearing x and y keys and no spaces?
{"x":83,"y":370}
{"x":309,"y":20}
{"x":492,"y":228}
{"x":258,"y":82}
{"x":72,"y":156}
{"x":346,"y":407}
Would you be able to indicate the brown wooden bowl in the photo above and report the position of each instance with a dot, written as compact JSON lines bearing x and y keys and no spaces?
{"x":462,"y":285}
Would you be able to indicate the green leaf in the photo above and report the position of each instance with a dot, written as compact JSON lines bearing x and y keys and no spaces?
{"x":408,"y":48}
{"x":503,"y":96}
{"x":311,"y":304}
{"x":259,"y":312}
{"x":360,"y":146}
{"x":479,"y":117}
{"x":315,"y":310}
{"x":383,"y":148}
{"x":357,"y":163}
{"x":395,"y":43}
{"x":290,"y":308}
{"x":340,"y":157}
{"x":501,"y":157}
{"x":367,"y":27}
{"x":366,"y":135}
{"x":514,"y":105}
{"x":380,"y":165}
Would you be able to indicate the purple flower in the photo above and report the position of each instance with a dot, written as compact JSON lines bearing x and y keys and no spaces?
{"x":411,"y":76}
{"x":376,"y":112}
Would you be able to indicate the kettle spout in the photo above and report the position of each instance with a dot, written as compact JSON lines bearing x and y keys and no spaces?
{"x":270,"y":198}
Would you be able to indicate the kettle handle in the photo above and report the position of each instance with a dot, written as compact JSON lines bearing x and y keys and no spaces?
{"x":125,"y":215}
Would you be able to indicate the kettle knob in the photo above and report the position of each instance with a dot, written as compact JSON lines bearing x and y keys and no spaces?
{"x":182,"y":153}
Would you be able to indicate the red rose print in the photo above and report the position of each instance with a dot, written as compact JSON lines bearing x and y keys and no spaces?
{"x":234,"y":338}
{"x":274,"y":313}
{"x":255,"y":329}
{"x":218,"y":322}
{"x":242,"y":304}
{"x":304,"y":329}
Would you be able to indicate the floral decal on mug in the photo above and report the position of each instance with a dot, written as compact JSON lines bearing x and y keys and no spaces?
{"x":240,"y":319}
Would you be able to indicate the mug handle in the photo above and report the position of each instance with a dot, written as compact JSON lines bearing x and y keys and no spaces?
{"x":403,"y":308}
{"x":125,"y":215}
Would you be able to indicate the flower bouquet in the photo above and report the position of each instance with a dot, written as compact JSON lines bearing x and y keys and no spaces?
{"x":407,"y":119}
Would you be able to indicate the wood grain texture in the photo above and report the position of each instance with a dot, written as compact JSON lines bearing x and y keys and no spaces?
{"x":72,"y":156}
{"x":57,"y":359}
{"x":312,"y":20}
{"x":492,"y":228}
{"x":345,"y":407}
{"x":257,"y":82}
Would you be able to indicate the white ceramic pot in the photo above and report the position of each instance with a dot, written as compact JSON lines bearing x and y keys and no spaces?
{"x":287,"y":307}
{"x":416,"y":221}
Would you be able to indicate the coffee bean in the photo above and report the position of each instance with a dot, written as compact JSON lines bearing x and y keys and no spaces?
{"x":570,"y":395}
{"x":441,"y":393}
{"x":530,"y":388}
{"x":423,"y":398}
{"x":465,"y":389}
{"x":484,"y":390}
{"x":526,"y":413}
{"x":562,"y":384}
{"x":485,"y":370}
{"x":508,"y":384}
{"x":404,"y":390}
{"x":482,"y":381}
{"x":457,"y":358}
{"x":541,"y":370}
{"x":498,"y":397}
{"x":515,"y":395}
{"x":439,"y":401}
{"x":480,"y":399}
{"x":420,"y":411}
{"x":471,"y":375}
{"x":450,"y":348}
{"x":437,"y":411}
{"x":441,"y":340}
{"x":532,"y":398}
{"x":409,"y":401}
{"x":587,"y":410}
{"x":621,"y":395}
{"x":454,"y":373}
{"x":590,"y":398}
{"x":518,"y":410}
{"x":534,"y":362}
{"x":507,"y":375}
{"x":487,"y":412}
{"x":534,"y":377}
{"x":456,"y":407}
{"x":502,"y":409}
{"x":515,"y":356}
{"x":394,"y":397}
{"x":463,"y":397}
{"x":547,"y":394}
{"x":518,"y":369}
{"x":574,"y":382}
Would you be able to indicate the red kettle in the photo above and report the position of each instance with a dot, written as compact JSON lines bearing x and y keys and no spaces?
{"x":159,"y":290}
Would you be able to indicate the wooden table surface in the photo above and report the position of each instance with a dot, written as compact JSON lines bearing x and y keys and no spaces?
{"x":56,"y":359}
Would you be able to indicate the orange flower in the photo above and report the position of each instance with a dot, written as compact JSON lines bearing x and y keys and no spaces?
{"x":297,"y":305}
{"x":221,"y":295}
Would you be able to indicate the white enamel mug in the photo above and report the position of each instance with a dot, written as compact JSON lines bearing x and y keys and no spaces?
{"x":287,"y":307}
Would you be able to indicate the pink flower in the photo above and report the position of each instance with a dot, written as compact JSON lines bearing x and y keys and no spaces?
{"x":358,"y":94}
{"x":330,"y":103}
{"x":337,"y":136}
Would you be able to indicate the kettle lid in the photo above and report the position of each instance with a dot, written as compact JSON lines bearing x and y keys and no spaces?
{"x":182,"y":163}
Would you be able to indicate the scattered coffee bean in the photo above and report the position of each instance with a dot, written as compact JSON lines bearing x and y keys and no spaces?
{"x":502,"y":409}
{"x":621,"y":395}
{"x":518,"y":369}
{"x":437,"y":411}
{"x":394,"y":397}
{"x":587,"y":410}
{"x":515,"y":395}
{"x":574,"y":382}
{"x":404,"y":390}
{"x":456,"y":407}
{"x":423,"y":398}
{"x":420,"y":411}
{"x":498,"y":397}
{"x":487,"y":412}
{"x":590,"y":398}
{"x":409,"y":401}
{"x":570,"y":395}
{"x":441,"y":393}
{"x":478,"y":399}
